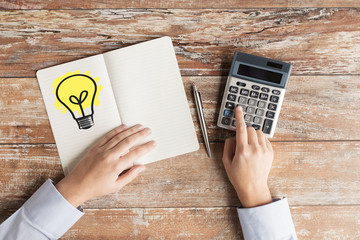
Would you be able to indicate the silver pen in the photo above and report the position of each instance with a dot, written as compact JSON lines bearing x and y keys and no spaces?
{"x":199,"y":108}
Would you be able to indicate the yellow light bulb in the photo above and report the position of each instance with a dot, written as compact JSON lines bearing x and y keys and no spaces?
{"x":77,"y":93}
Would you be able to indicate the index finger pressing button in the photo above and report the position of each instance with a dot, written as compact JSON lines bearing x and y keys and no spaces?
{"x":241,"y":132}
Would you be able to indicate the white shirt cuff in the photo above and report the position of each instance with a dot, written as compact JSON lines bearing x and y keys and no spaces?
{"x":50,"y":212}
{"x":271,"y":221}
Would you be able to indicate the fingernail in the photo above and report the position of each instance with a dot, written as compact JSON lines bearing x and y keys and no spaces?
{"x":153,"y":142}
{"x":140,"y":127}
{"x":148,"y":130}
{"x":239,"y":109}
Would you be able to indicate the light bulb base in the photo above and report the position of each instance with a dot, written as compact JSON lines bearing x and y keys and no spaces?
{"x":85,"y":122}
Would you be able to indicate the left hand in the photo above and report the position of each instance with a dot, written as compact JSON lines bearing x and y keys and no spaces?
{"x":98,"y":171}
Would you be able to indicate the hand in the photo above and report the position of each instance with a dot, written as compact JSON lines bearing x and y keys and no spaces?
{"x":98,"y":171}
{"x":247,"y":159}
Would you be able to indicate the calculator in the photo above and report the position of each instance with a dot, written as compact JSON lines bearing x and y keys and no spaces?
{"x":258,"y":85}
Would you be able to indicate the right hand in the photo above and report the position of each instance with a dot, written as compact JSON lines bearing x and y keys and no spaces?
{"x":98,"y":171}
{"x":247,"y":159}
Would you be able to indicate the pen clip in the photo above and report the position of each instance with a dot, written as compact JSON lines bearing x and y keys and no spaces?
{"x":200,"y":100}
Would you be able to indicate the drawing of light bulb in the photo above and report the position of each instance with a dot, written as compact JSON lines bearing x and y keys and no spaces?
{"x":77,"y":93}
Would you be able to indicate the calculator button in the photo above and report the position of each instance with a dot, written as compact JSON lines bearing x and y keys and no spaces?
{"x":252,"y":102}
{"x":248,"y":124}
{"x":257,"y":120}
{"x":257,"y":127}
{"x":272,"y":107}
{"x":248,"y":118}
{"x":267,"y":126}
{"x":261,"y":104}
{"x":254,"y":94}
{"x":230,"y":105}
{"x":225,"y":121}
{"x":276,"y":92}
{"x":241,"y":84}
{"x":270,"y":114}
{"x":233,"y":123}
{"x":228,"y":113}
{"x":263,"y":96}
{"x":243,"y":107}
{"x":250,"y":110}
{"x":233,"y":89}
{"x":265,"y":89}
{"x":274,"y":99}
{"x":231,"y":97}
{"x":242,"y":100}
{"x":255,"y":87}
{"x":259,"y":112}
{"x":244,"y":92}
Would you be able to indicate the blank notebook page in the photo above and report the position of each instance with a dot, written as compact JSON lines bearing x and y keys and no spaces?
{"x":148,"y":89}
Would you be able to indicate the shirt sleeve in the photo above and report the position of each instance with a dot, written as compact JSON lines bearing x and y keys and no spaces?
{"x":269,"y":222}
{"x":45,"y":215}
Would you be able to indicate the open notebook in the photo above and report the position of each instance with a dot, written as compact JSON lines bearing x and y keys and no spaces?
{"x":137,"y":84}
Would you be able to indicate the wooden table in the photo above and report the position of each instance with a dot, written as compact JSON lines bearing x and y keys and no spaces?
{"x":317,"y":143}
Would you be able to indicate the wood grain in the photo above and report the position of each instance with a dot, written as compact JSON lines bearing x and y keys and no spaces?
{"x":316,"y":144}
{"x":311,"y":222}
{"x":308,"y":173}
{"x":315,"y":108}
{"x":320,"y":222}
{"x":83,"y":4}
{"x":314,"y":40}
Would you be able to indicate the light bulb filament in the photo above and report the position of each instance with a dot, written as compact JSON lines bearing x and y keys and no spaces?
{"x":78,"y":101}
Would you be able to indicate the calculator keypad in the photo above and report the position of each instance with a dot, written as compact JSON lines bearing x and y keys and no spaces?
{"x":255,"y":87}
{"x":252,"y":102}
{"x":225,"y":121}
{"x":231,"y":97}
{"x":254,"y":94}
{"x":244,"y":92}
{"x":259,"y":105}
{"x":272,"y":107}
{"x":233,"y":89}
{"x":228,"y":113}
{"x":267,"y":126}
{"x":264,"y":96}
{"x":270,"y":114}
{"x":241,"y":84}
{"x":230,"y":105}
{"x":242,"y":100}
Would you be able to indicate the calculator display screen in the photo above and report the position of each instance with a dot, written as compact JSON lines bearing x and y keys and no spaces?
{"x":258,"y":73}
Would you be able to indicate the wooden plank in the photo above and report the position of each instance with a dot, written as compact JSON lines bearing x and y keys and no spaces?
{"x":308,"y":173}
{"x":187,"y":223}
{"x":67,"y":4}
{"x":314,"y":40}
{"x":315,"y":108}
{"x":311,"y":222}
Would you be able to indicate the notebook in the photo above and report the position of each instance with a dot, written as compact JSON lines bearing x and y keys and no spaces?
{"x":141,"y":83}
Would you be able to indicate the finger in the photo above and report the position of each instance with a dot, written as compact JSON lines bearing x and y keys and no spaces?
{"x":110,"y":135}
{"x":122,"y":135}
{"x":130,"y":142}
{"x":241,"y":133}
{"x":129,"y":176}
{"x":268,"y":145}
{"x":129,"y":158}
{"x":252,"y":136}
{"x":261,"y":138}
{"x":229,"y":152}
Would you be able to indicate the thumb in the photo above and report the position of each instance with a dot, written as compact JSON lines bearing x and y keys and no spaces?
{"x":129,"y":176}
